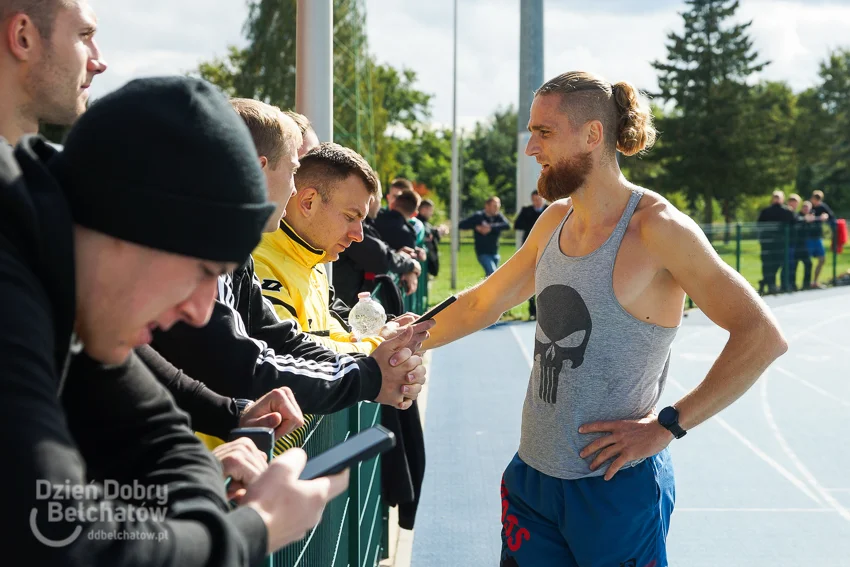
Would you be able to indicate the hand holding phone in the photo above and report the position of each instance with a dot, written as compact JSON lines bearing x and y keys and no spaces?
{"x":360,"y":447}
{"x":434,"y":310}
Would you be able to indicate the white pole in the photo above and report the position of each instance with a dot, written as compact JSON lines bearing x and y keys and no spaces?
{"x":455,"y":204}
{"x":530,"y":78}
{"x":314,"y":77}
{"x":314,"y":73}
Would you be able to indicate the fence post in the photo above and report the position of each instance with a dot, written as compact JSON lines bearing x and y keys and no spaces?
{"x":354,"y":553}
{"x":834,"y":254}
{"x":786,"y":260}
{"x":738,"y":248}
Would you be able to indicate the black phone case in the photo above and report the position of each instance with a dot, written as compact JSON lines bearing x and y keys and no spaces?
{"x":384,"y":444}
{"x":263,"y":437}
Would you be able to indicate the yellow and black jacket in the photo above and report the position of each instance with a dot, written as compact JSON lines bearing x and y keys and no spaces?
{"x":295,"y":282}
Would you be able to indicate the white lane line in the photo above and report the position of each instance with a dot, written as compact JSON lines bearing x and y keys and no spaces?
{"x":522,"y":348}
{"x":774,"y":428}
{"x":769,"y":510}
{"x":830,"y":501}
{"x":826,"y":341}
{"x":758,"y":452}
{"x":817,"y":325}
{"x":808,"y":384}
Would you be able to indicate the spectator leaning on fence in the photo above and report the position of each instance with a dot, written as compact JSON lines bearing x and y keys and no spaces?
{"x":433,"y":234}
{"x":823,"y":213}
{"x":335,"y":186}
{"x":397,"y":186}
{"x":488,"y":225}
{"x":396,"y":230}
{"x":246,"y":350}
{"x":371,"y":260}
{"x":311,"y":140}
{"x":48,"y":59}
{"x":85,"y":278}
{"x":774,"y":219}
{"x":800,"y":232}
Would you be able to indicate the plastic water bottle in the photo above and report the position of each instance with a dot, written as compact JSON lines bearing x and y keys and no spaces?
{"x":367,"y":317}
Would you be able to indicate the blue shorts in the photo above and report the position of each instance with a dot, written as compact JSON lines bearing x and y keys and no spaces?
{"x":815,"y":246}
{"x":548,"y":522}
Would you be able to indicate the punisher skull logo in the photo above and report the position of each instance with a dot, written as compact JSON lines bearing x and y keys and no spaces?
{"x":563,"y":331}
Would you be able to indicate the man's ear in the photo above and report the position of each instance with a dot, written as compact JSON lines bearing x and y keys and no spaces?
{"x":22,"y":37}
{"x":264,"y":162}
{"x":595,"y":134}
{"x":308,"y":200}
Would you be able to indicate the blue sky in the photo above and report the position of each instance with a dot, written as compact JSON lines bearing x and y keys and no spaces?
{"x":615,"y":38}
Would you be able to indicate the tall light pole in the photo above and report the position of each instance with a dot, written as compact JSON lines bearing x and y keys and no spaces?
{"x":530,"y":78}
{"x":455,"y":191}
{"x":314,"y":75}
{"x":314,"y":71}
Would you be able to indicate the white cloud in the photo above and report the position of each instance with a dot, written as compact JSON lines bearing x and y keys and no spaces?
{"x":615,"y":38}
{"x":162,"y":37}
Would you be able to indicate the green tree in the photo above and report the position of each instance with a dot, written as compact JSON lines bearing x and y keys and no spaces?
{"x":825,"y":121}
{"x":425,"y":157}
{"x":491,"y":150}
{"x":705,"y":76}
{"x":368,"y":97}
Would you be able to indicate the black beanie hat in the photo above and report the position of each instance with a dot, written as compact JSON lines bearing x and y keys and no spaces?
{"x":167,"y":163}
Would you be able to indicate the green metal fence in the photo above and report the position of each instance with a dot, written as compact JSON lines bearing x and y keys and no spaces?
{"x":351,"y":530}
{"x":772,"y":257}
{"x":744,"y":246}
{"x":354,"y":528}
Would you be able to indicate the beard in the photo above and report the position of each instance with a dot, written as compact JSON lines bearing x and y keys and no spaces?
{"x":55,"y":93}
{"x":563,"y":178}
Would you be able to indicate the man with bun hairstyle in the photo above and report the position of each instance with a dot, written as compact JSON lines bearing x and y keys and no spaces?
{"x":610,"y":264}
{"x":85,"y":278}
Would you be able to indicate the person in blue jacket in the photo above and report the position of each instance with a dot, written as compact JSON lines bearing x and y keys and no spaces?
{"x":488,"y":225}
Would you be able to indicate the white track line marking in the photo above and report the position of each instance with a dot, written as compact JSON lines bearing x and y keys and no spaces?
{"x":808,"y":384}
{"x":522,"y":348}
{"x":758,"y":452}
{"x":794,"y":510}
{"x":830,"y":501}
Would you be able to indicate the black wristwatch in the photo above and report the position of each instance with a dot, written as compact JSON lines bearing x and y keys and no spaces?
{"x":242,"y":404}
{"x":669,"y":419}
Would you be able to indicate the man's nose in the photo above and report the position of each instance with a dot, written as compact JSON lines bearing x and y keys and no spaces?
{"x":96,"y":64}
{"x":197,"y":310}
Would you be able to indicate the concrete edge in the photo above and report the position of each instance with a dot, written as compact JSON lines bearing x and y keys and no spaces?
{"x":401,"y":541}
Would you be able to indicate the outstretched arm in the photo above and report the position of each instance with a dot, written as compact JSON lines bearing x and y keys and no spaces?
{"x":509,"y":286}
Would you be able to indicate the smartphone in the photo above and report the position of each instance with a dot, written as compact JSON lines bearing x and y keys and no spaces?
{"x":361,"y":447}
{"x":263,"y":438}
{"x":434,"y":310}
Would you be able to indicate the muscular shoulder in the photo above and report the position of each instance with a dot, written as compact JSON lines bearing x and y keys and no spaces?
{"x":549,"y":220}
{"x":661,"y":225}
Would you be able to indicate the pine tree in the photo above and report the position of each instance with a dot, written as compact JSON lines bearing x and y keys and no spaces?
{"x":706,"y":153}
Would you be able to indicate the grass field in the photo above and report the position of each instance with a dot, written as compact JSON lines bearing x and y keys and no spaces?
{"x":470,"y":272}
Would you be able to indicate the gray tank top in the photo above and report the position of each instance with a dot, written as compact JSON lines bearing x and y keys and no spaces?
{"x":592,"y":359}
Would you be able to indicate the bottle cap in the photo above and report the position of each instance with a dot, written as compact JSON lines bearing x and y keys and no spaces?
{"x":364,"y":295}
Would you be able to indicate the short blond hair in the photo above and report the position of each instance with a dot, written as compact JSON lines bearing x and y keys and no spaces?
{"x":302,"y":121}
{"x":274,"y":133}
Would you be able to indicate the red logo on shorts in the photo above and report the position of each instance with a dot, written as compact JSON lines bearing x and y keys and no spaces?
{"x":510,"y":522}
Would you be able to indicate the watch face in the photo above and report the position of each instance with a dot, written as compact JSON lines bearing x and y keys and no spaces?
{"x":668,"y":416}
